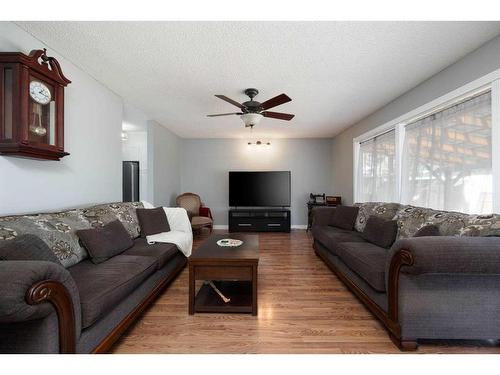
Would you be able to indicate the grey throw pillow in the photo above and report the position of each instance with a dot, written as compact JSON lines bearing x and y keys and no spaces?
{"x":105,"y":242}
{"x":344,"y":217}
{"x":152,"y":221}
{"x":27,"y":247}
{"x":380,"y":232}
{"x":428,"y":231}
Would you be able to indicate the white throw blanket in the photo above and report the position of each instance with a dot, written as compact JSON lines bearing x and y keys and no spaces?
{"x":180,"y":233}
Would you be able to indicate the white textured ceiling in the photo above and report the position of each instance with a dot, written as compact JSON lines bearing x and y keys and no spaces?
{"x":335,"y":72}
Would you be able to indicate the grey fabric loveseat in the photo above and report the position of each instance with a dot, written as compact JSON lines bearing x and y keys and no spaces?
{"x":71,"y":305}
{"x":440,"y":287}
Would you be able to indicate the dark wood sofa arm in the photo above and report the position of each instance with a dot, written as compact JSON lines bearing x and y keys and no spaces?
{"x":435,"y":255}
{"x":439,"y":254}
{"x":448,"y":254}
{"x":401,"y":258}
{"x":32,"y":290}
{"x":55,"y":293}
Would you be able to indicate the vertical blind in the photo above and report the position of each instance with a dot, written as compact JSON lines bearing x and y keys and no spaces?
{"x":446,"y":161}
{"x":376,"y":169}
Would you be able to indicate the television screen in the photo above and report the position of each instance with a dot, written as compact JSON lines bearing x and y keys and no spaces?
{"x":259,"y":189}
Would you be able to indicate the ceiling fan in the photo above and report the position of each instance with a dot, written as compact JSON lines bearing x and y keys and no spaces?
{"x":252,"y":111}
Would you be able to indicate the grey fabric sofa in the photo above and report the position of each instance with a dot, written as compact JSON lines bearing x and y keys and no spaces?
{"x":442,"y":287}
{"x":74,"y":305}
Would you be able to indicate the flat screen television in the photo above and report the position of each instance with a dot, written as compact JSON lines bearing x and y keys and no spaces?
{"x":259,"y":189}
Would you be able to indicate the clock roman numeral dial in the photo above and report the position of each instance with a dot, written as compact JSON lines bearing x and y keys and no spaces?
{"x":40,"y":93}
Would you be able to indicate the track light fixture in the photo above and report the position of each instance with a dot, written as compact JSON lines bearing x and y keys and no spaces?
{"x":259,"y":143}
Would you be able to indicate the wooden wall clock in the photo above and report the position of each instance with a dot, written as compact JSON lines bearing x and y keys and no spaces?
{"x":32,"y":105}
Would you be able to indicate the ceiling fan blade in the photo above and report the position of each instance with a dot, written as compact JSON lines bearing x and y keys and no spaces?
{"x":233,"y":102}
{"x":278,"y":115}
{"x":225,"y":114}
{"x":277,"y":100}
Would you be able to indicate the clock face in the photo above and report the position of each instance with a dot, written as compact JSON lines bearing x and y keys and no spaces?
{"x":40,"y":93}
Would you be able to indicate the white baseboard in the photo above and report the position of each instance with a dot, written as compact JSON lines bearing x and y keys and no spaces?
{"x":226,"y":227}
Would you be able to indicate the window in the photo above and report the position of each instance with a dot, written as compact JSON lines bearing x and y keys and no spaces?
{"x":447,"y":159}
{"x":376,"y":168}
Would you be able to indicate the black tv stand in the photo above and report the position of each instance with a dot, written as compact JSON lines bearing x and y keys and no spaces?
{"x":259,"y":220}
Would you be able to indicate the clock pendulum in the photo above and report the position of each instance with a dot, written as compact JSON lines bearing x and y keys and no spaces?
{"x":37,"y":114}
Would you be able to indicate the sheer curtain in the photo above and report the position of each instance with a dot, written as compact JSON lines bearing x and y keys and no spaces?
{"x":376,"y":169}
{"x":446,"y":160}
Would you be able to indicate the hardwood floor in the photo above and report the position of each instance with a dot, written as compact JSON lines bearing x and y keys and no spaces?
{"x":303,"y":308}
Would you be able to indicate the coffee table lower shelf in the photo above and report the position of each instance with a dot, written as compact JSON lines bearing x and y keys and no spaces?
{"x":240,"y":293}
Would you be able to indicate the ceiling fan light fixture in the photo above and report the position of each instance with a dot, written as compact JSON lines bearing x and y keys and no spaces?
{"x":251,"y":119}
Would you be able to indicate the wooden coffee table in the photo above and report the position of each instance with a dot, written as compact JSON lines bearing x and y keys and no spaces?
{"x":232,"y":269}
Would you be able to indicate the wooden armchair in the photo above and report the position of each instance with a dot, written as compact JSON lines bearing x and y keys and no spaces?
{"x":199,"y":215}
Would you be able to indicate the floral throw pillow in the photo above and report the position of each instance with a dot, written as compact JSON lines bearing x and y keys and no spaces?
{"x":57,"y":230}
{"x":382,"y":210}
{"x":105,"y":213}
{"x":482,"y":225}
{"x":411,"y":219}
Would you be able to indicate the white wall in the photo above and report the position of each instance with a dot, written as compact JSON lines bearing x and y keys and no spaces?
{"x":482,"y":61}
{"x":135,"y":148}
{"x":93,"y":121}
{"x":134,"y":119}
{"x":206,"y":163}
{"x":163,"y":165}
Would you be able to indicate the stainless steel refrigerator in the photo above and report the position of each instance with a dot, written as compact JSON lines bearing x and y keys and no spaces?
{"x":130,"y":181}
